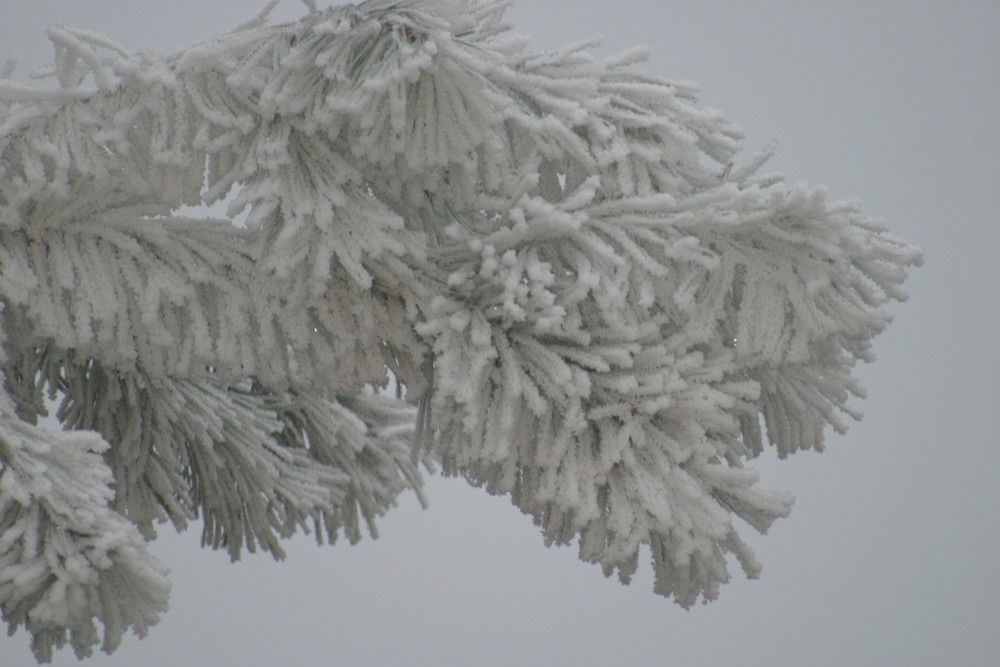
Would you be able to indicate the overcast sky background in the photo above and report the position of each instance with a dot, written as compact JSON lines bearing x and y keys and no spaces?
{"x":891,"y":555}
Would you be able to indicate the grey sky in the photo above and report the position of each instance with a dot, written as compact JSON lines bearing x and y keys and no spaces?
{"x":890,"y":554}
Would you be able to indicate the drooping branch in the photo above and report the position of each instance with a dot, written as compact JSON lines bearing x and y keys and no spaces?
{"x":584,"y":300}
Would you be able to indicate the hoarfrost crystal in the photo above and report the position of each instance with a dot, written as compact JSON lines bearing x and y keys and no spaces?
{"x":580,"y":297}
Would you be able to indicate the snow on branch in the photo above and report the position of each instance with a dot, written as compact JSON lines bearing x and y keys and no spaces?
{"x":254,"y":465}
{"x":67,"y":559}
{"x":581,"y":295}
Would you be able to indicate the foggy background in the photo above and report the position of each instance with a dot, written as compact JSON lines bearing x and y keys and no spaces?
{"x":891,"y":553}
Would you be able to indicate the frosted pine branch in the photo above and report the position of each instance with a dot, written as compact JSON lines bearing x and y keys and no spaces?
{"x":579,"y":293}
{"x":66,"y":558}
